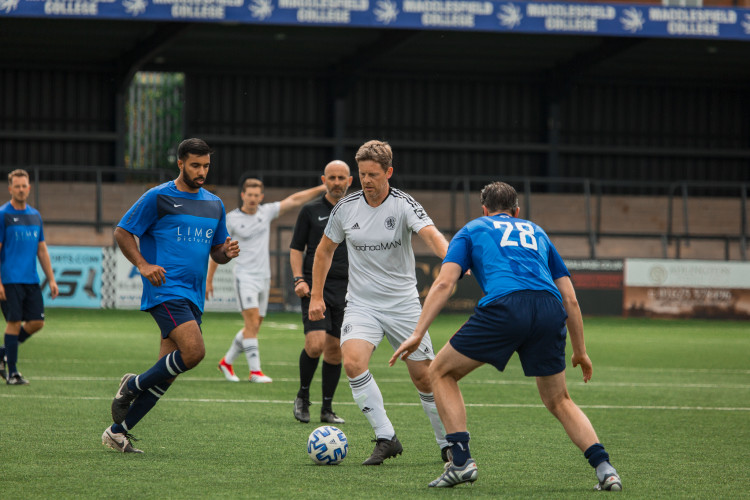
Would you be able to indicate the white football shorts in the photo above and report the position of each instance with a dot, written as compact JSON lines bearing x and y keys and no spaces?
{"x":367,"y":323}
{"x":252,"y":293}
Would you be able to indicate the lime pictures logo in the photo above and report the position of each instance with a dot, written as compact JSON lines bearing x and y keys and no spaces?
{"x":26,"y":235}
{"x":191,"y":234}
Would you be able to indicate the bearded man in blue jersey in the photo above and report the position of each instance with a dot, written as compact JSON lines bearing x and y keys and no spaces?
{"x":178,"y":224}
{"x":528,"y":300}
{"x":21,"y":243}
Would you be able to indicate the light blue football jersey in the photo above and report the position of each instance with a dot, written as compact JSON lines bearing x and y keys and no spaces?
{"x":20,"y":234}
{"x":177,"y":230}
{"x":506,"y":255}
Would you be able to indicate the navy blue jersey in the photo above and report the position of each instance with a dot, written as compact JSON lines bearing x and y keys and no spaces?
{"x":176,"y":230}
{"x":506,"y":255}
{"x":20,"y":234}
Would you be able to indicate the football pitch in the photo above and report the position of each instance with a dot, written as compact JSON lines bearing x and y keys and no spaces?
{"x":670,"y":400}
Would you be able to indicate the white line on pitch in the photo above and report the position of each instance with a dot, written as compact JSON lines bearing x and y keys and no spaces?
{"x":525,"y":382}
{"x":471,"y":405}
{"x":603,"y":369}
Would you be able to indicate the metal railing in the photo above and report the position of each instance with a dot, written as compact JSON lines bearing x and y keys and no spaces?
{"x":462,"y":193}
{"x":83,"y":174}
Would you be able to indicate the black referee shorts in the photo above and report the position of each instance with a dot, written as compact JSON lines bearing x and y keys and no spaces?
{"x":334,"y":295}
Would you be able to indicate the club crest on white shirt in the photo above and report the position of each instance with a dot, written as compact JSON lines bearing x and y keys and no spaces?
{"x":390,"y":223}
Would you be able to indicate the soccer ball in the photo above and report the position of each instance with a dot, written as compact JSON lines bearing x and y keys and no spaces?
{"x":327,"y":445}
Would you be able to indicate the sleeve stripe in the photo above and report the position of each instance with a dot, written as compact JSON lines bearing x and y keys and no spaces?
{"x":409,"y":199}
{"x":346,"y":199}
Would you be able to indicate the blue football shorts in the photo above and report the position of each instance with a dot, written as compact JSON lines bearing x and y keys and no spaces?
{"x":529,"y":322}
{"x":23,"y":302}
{"x":173,"y":313}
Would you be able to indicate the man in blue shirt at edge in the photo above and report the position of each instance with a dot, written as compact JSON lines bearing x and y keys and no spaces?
{"x":21,"y":243}
{"x":179,"y":224}
{"x":528,"y":299}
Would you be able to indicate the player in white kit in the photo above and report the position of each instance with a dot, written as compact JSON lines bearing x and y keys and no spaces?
{"x":250,"y":225}
{"x":382,"y":299}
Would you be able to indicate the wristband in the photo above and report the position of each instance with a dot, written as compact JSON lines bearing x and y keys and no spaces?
{"x":297,"y":279}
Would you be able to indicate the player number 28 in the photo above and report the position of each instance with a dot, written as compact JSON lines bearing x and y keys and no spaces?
{"x":525,"y":234}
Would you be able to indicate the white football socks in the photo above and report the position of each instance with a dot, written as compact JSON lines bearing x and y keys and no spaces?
{"x":235,"y":349}
{"x":369,"y":399}
{"x":250,"y":346}
{"x":428,"y":405}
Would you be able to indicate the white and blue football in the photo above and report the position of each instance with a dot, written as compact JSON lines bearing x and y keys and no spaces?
{"x":327,"y":445}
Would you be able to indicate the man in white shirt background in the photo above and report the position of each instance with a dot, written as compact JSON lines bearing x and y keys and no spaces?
{"x":250,"y":224}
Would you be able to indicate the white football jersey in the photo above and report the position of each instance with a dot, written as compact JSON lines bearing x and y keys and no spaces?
{"x":378,"y":241}
{"x":253,"y":234}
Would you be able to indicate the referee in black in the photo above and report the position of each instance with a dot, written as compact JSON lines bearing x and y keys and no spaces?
{"x":321,"y":337}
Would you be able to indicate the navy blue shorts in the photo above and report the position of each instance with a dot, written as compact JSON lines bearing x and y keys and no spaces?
{"x":23,"y":302}
{"x":172,"y":313}
{"x":529,"y":322}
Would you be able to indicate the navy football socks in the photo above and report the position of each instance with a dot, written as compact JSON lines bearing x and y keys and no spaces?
{"x":459,"y":447}
{"x":167,"y":367}
{"x":141,"y":406}
{"x":22,"y":336}
{"x":596,"y":454}
{"x":11,"y":353}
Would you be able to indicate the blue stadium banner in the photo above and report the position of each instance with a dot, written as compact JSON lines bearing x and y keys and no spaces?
{"x":624,"y":20}
{"x":78,"y":272}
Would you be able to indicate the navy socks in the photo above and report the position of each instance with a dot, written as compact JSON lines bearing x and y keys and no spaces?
{"x":167,"y":367}
{"x":11,"y":353}
{"x":141,"y":406}
{"x":459,"y":447}
{"x":22,"y":336}
{"x":596,"y":454}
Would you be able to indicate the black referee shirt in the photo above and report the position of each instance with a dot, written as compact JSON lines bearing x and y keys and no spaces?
{"x":311,"y":222}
